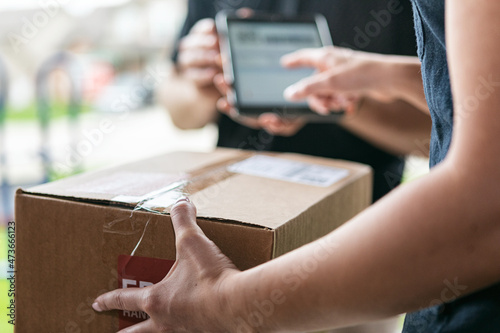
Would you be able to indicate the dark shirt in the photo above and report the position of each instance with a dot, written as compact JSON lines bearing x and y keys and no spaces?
{"x":383,"y":26}
{"x":478,"y":312}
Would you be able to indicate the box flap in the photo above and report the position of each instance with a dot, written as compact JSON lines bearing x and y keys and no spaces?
{"x":218,"y":189}
{"x":134,"y":179}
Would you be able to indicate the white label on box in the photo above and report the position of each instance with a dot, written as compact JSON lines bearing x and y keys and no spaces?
{"x":297,"y":172}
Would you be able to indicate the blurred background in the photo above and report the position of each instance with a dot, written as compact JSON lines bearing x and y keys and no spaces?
{"x":76,"y":93}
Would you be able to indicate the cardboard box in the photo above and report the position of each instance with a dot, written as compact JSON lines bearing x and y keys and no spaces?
{"x":84,"y":235}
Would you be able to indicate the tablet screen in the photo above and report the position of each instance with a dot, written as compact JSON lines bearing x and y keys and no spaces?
{"x":256,"y":49}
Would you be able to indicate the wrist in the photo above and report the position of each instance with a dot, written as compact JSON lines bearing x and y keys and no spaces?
{"x":388,"y":77}
{"x":351,"y":117}
{"x":251,"y":304}
{"x":403,"y":76}
{"x":233,"y":304}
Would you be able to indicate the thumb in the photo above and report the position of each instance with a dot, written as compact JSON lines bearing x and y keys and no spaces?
{"x":192,"y":245}
{"x":183,"y":215}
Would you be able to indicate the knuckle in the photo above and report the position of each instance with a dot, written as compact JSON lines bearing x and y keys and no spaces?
{"x":186,"y":42}
{"x":185,"y":59}
{"x":118,"y":300}
{"x":324,"y":57}
{"x":331,"y":80}
{"x":162,"y":328}
{"x":211,"y":41}
{"x":186,"y":239}
{"x":151,"y":303}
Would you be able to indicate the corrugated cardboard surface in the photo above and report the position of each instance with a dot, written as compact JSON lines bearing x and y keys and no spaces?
{"x":68,"y":241}
{"x":323,"y":217}
{"x":68,"y":255}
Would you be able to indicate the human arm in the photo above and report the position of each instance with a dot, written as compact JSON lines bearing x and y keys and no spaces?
{"x":393,"y":257}
{"x":189,"y":106}
{"x":448,"y":221}
{"x":395,"y":127}
{"x":193,"y":92}
{"x":389,"y":123}
{"x":383,"y":95}
{"x":448,"y":227}
{"x":348,"y":282}
{"x":345,"y":75}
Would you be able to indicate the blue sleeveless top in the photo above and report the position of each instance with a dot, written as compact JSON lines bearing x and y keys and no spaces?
{"x":478,"y":312}
{"x":429,"y":26}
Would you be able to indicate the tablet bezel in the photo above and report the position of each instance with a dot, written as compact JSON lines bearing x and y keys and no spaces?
{"x":225,"y":17}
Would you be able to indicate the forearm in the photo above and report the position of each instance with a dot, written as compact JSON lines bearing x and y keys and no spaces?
{"x":397,"y":127}
{"x":403,"y":79}
{"x":392,"y":258}
{"x":347,"y":73}
{"x":189,"y":105}
{"x":427,"y":242}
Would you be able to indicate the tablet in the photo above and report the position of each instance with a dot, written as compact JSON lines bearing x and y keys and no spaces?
{"x":252,"y":48}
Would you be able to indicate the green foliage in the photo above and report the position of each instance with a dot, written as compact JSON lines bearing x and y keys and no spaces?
{"x":30,"y":113}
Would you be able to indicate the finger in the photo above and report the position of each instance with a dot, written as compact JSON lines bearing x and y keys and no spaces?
{"x":190,"y":242}
{"x":183,"y":214}
{"x":235,"y":114}
{"x":271,"y":121}
{"x":245,"y":12}
{"x":249,"y":122}
{"x":221,"y":84}
{"x":223,"y":106}
{"x":303,"y":58}
{"x":198,"y":58}
{"x":276,"y":125}
{"x":342,"y":102}
{"x":317,"y":84}
{"x":275,"y":129}
{"x":143,"y":327}
{"x":332,"y":102}
{"x":199,"y":41}
{"x":228,"y":109}
{"x":120,"y":299}
{"x":201,"y":76}
{"x":319,"y":104}
{"x":352,"y":105}
{"x":204,"y":26}
{"x":192,"y":245}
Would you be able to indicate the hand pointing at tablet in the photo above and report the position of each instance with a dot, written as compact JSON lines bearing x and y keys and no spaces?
{"x":344,"y":76}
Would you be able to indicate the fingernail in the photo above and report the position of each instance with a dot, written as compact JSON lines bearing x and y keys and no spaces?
{"x":96,"y":307}
{"x":186,"y":199}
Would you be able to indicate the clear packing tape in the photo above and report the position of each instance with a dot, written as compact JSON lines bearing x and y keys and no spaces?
{"x":135,"y":226}
{"x":130,"y":231}
{"x":185,"y":185}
